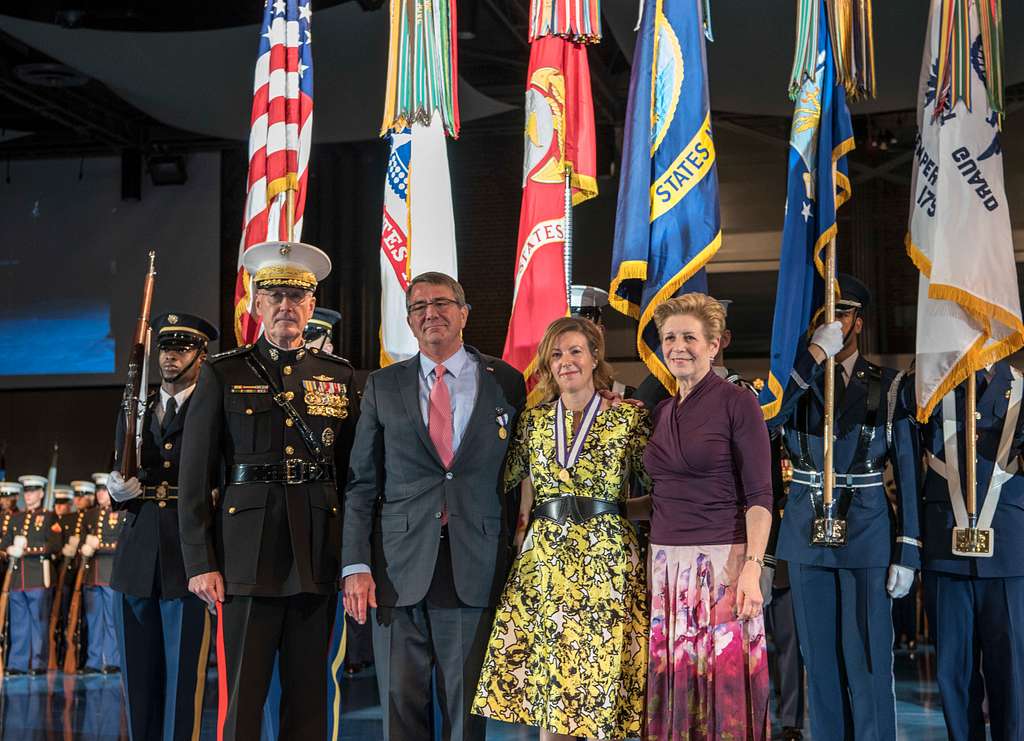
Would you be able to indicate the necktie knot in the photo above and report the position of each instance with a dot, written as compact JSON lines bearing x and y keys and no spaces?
{"x":439,"y":371}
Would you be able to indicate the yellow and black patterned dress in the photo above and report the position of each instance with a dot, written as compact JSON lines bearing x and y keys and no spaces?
{"x":568,"y":651}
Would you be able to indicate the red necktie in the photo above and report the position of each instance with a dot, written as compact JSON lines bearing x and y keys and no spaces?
{"x":439,"y":424}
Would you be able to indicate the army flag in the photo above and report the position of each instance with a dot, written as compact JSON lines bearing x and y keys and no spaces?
{"x":428,"y":217}
{"x":667,"y":224}
{"x":820,"y":138}
{"x":968,"y":312}
{"x":559,"y":138}
{"x":280,"y":134}
{"x":421,"y":107}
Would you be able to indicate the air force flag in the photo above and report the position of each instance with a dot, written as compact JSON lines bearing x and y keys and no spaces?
{"x":667,"y":224}
{"x":818,"y":185}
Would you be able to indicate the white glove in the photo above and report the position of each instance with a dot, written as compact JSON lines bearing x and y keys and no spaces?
{"x":829,"y":337}
{"x":21,"y":542}
{"x":88,"y":550}
{"x":74,"y":540}
{"x":14,"y":551}
{"x":92,"y":541}
{"x":121,"y":490}
{"x":900,"y":580}
{"x":766,"y":581}
{"x":68,"y":550}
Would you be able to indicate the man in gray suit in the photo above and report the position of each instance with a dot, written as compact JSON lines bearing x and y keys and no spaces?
{"x":426,"y":544}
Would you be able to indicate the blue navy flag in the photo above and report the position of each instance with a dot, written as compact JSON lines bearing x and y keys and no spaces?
{"x":818,"y":185}
{"x":667,"y":224}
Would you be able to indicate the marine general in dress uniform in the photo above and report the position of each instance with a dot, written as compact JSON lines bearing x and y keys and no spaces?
{"x":274,"y":422}
{"x":163,"y":630}
{"x":33,"y":537}
{"x":842,"y":596}
{"x":976,"y":603}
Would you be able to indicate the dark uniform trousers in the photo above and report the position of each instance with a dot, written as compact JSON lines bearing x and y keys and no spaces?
{"x":842,"y":610}
{"x":275,"y":541}
{"x":31,"y":593}
{"x":976,"y":604}
{"x":163,"y":631}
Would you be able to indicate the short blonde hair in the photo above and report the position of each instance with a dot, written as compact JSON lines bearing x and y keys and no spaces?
{"x":603,"y":373}
{"x":710,"y":313}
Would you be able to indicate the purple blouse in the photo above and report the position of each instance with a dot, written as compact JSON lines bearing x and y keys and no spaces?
{"x":710,"y":461}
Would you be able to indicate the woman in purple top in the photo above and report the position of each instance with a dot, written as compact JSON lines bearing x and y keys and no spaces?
{"x":709,"y":458}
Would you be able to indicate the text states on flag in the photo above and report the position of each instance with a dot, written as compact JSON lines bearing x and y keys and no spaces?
{"x":960,"y":238}
{"x":817,"y":185}
{"x":558,"y":137}
{"x":280,"y":134}
{"x":667,"y":224}
{"x":417,"y":229}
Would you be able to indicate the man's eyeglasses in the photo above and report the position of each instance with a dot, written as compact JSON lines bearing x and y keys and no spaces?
{"x":294,"y":295}
{"x":440,"y":304}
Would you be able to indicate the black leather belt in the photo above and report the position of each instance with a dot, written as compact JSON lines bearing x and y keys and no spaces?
{"x":158,"y":493}
{"x":577,"y":509}
{"x":293,"y":471}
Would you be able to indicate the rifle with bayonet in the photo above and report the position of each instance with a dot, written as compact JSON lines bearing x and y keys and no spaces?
{"x":134,"y":400}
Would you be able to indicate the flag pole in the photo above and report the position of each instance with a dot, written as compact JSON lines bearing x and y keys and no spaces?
{"x":827,"y":529}
{"x":290,"y":214}
{"x":972,"y":540}
{"x":568,"y":238}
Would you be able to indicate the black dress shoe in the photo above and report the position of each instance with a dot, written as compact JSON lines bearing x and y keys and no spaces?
{"x":14,"y":673}
{"x":111,"y":669}
{"x":88,"y":670}
{"x":36,"y":672}
{"x":792,"y":734}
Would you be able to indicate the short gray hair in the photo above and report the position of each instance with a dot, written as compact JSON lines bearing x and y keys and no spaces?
{"x":438,"y":279}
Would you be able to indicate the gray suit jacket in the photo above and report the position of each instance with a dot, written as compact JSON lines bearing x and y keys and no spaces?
{"x":398,"y":487}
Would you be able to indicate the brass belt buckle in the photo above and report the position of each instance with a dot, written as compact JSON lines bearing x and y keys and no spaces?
{"x":293,"y":471}
{"x":975,"y":542}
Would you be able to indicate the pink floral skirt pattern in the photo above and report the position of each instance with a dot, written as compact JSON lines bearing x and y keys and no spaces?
{"x":707,"y":677}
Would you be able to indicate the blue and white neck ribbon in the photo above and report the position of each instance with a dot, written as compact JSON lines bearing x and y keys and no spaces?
{"x":568,"y":455}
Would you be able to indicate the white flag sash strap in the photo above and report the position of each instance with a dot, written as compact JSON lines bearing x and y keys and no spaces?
{"x":568,"y":455}
{"x":1003,"y":470}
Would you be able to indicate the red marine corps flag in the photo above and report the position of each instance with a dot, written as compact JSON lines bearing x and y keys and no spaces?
{"x":559,"y":139}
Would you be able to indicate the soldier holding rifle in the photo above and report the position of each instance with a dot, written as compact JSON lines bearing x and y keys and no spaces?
{"x":34,"y":536}
{"x":163,"y":632}
{"x":844,"y":576}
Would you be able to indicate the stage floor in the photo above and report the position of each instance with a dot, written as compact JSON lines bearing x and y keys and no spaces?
{"x":91,"y":708}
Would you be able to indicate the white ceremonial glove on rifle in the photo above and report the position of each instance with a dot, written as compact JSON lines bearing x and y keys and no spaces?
{"x":17,"y":550}
{"x":68,"y":551}
{"x":829,"y":337}
{"x":121,"y":490}
{"x":91,"y":544}
{"x":900,"y":580}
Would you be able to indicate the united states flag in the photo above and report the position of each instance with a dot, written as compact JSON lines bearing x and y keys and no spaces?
{"x":279,"y":140}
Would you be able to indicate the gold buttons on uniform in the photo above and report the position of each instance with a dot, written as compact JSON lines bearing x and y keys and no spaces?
{"x":231,"y":510}
{"x":161,"y":505}
{"x":248,"y":411}
{"x":168,"y":446}
{"x":289,"y":395}
{"x":289,"y":450}
{"x":167,"y":464}
{"x":288,"y":422}
{"x":287,"y":370}
{"x":977,"y":415}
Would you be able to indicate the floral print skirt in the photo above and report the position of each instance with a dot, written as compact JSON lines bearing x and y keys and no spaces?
{"x":707,"y":677}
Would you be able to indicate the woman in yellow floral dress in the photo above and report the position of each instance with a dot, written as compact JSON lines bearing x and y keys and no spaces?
{"x":568,"y":651}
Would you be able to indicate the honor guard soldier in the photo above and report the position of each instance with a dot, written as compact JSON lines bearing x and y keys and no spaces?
{"x":103,"y":526}
{"x":32,"y":540}
{"x":319,"y":329}
{"x":975,"y":594}
{"x":274,"y":422}
{"x":163,"y":631}
{"x":63,"y":500}
{"x":842,"y":592}
{"x":9,"y":493}
{"x":72,"y":524}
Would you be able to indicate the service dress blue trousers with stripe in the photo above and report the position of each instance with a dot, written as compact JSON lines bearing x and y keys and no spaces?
{"x":29,"y":613}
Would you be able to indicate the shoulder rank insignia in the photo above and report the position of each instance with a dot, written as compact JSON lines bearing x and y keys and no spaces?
{"x":241,"y":350}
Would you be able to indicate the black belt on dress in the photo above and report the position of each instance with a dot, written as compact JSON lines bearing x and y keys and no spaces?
{"x":292,"y":471}
{"x":577,"y":509}
{"x":160,"y":493}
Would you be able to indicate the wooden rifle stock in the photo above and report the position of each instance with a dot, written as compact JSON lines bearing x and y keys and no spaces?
{"x":5,"y":598}
{"x":136,"y":370}
{"x":72,"y":637}
{"x":56,"y":627}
